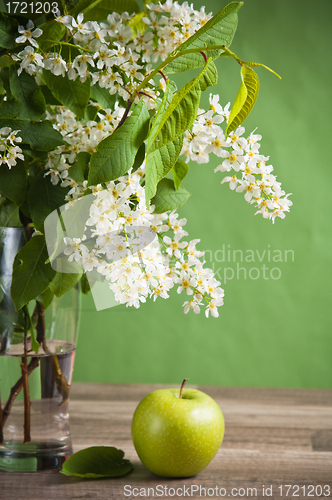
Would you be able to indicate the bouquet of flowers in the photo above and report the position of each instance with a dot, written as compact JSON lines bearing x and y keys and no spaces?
{"x":89,"y":110}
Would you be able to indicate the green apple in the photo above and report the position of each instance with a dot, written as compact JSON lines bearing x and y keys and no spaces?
{"x":177,"y":432}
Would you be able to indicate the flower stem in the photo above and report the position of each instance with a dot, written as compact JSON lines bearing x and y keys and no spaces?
{"x":125,"y":114}
{"x":60,"y":380}
{"x":69,"y":45}
{"x":16,"y":389}
{"x":27,"y":403}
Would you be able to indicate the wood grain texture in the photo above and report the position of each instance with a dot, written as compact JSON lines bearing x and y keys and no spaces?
{"x":273,"y":437}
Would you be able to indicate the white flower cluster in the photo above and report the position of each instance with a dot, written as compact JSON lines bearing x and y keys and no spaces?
{"x":241,"y":157}
{"x":110,"y":54}
{"x":158,"y":265}
{"x":9,"y":152}
{"x":171,"y":24}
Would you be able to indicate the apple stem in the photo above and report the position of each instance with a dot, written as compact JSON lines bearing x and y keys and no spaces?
{"x":182,"y":386}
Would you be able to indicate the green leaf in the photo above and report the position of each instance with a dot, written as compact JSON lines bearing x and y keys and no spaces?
{"x":52,"y":30}
{"x":8,"y":31}
{"x":2,"y":88}
{"x":46,"y":297}
{"x":13,"y":182}
{"x":31,"y":276}
{"x":80,"y":169}
{"x":159,"y":163}
{"x":43,"y":198}
{"x":102,"y":96}
{"x":25,"y":89}
{"x":179,"y":170}
{"x":168,"y":197}
{"x":34,"y":342}
{"x":63,"y":283}
{"x":244,"y":100}
{"x":98,"y":10}
{"x":97,"y":461}
{"x":157,"y":121}
{"x":48,"y":96}
{"x":115,"y":155}
{"x":176,"y":115}
{"x":85,"y":285}
{"x":254,"y":65}
{"x":219,"y":30}
{"x":139,"y":158}
{"x":39,"y":135}
{"x":71,"y":93}
{"x":4,"y":75}
{"x":9,"y":215}
{"x":10,"y":108}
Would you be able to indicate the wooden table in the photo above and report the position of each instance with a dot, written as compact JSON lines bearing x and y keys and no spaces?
{"x":273,"y":438}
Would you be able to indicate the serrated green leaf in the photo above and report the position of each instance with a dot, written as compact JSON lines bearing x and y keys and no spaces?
{"x":13,"y":182}
{"x":182,"y":110}
{"x":25,"y":89}
{"x":102,"y":96}
{"x":219,"y":30}
{"x":244,"y":100}
{"x":39,"y":135}
{"x":157,"y":121}
{"x":159,"y":163}
{"x":80,"y":169}
{"x":176,"y":115}
{"x":43,"y":198}
{"x":168,"y":197}
{"x":8,"y":31}
{"x":179,"y":171}
{"x":115,"y":155}
{"x":96,"y":462}
{"x":52,"y":30}
{"x":63,"y":283}
{"x":9,"y":216}
{"x":73,"y":94}
{"x":31,"y":276}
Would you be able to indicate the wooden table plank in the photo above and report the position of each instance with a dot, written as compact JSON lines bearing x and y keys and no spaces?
{"x":274,"y":437}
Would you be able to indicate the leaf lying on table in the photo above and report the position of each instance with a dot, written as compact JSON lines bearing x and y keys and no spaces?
{"x":97,"y":461}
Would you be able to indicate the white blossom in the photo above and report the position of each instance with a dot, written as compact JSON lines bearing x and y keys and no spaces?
{"x":26,"y":34}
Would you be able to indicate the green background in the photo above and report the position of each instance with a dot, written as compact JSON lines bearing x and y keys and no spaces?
{"x":271,"y":332}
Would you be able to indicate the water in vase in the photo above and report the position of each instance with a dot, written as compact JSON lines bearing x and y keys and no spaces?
{"x":49,"y":379}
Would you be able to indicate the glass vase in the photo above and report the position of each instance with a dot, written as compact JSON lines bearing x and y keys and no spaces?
{"x":34,"y":388}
